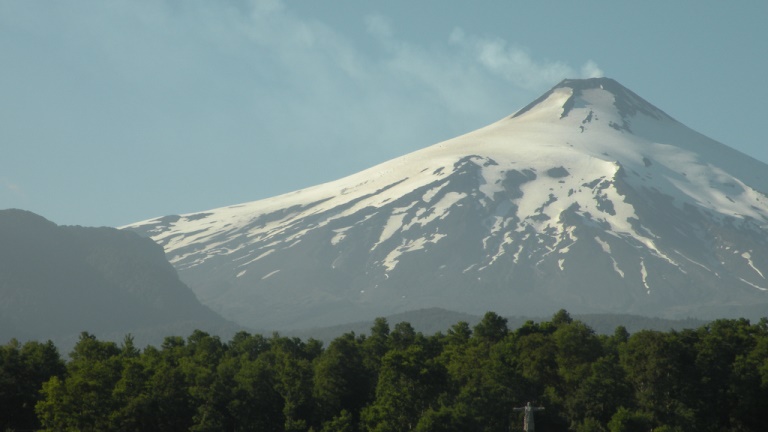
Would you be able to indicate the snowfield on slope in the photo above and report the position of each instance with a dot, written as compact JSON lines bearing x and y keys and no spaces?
{"x":589,"y":185}
{"x":531,"y":141}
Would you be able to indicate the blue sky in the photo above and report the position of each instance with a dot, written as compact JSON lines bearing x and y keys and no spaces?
{"x":113,"y":112}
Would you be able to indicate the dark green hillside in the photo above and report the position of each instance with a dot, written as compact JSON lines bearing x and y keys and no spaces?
{"x":57,"y":281}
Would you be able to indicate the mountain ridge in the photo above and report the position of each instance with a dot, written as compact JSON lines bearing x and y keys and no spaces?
{"x":589,"y":199}
{"x":627,"y":102}
{"x":58,"y":281}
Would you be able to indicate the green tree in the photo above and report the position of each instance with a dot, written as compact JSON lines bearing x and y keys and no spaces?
{"x":403,"y":336}
{"x":491,"y":329}
{"x":495,"y":386}
{"x":536,"y":354}
{"x":600,"y":394}
{"x":291,"y":364}
{"x":577,"y":349}
{"x":561,"y":317}
{"x":256,"y":386}
{"x":84,"y":400}
{"x":590,"y":425}
{"x":408,"y":385}
{"x":655,"y":366}
{"x":23,"y":370}
{"x":373,"y":349}
{"x":341,"y":382}
{"x":208,"y":392}
{"x":626,"y":420}
{"x":340,"y":423}
{"x":749,"y":384}
{"x":244,"y":344}
{"x":718,"y":347}
{"x":152,"y":393}
{"x":455,"y":418}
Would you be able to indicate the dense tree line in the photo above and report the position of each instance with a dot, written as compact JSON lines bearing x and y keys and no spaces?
{"x":714,"y":378}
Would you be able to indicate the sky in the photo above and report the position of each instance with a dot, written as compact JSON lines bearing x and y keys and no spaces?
{"x":113,"y":112}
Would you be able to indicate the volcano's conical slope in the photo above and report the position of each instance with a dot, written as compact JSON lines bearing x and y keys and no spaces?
{"x":589,"y":199}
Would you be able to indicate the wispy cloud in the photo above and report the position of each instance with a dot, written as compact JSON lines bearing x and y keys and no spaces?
{"x":590,"y":69}
{"x":190,"y":84}
{"x":463,"y":74}
{"x":516,"y":65}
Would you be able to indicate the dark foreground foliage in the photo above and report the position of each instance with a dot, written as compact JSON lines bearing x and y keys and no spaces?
{"x":714,"y":378}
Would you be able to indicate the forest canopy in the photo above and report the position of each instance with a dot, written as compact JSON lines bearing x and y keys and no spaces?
{"x":468,"y":378}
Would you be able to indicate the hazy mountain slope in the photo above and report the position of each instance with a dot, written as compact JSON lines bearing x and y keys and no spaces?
{"x":56,"y":281}
{"x":589,"y":199}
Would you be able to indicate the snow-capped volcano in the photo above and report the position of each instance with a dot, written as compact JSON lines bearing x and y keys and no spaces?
{"x":589,"y":199}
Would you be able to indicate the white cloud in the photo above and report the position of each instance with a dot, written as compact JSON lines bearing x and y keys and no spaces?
{"x":245,"y":92}
{"x":591,"y":70}
{"x":515,"y":64}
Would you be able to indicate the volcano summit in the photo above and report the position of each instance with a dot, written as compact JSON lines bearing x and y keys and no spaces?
{"x":589,"y":199}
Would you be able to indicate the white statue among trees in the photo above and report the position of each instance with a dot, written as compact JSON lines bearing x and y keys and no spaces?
{"x":528,"y":424}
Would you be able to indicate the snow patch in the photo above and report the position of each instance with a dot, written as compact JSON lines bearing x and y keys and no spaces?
{"x":394,"y":223}
{"x":339,"y":235}
{"x":607,"y":249}
{"x":393,"y":257}
{"x":753,"y":285}
{"x":268,"y":275}
{"x":260,"y":256}
{"x":747,"y":256}
{"x":644,"y":277}
{"x":694,"y":262}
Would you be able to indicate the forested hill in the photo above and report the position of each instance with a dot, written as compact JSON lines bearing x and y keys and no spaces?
{"x":433,"y":320}
{"x":467,"y":378}
{"x":57,"y":281}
